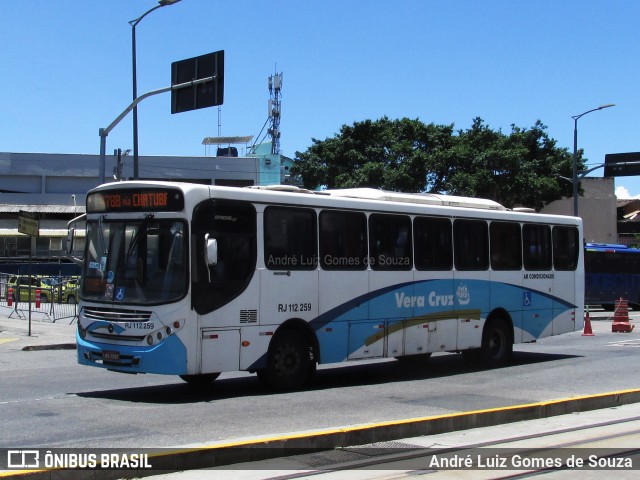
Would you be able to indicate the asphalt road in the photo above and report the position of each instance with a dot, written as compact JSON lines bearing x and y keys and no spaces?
{"x":47,"y":400}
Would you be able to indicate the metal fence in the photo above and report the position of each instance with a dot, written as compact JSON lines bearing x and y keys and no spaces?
{"x":53,"y":298}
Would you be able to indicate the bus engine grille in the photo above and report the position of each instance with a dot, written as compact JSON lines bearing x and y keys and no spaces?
{"x":116,"y":315}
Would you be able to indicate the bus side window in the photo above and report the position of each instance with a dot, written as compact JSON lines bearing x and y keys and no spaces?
{"x":536,"y":247}
{"x":471,"y":244}
{"x":506,"y":246}
{"x":566,"y":248}
{"x":390,"y":242}
{"x":343,"y":240}
{"x":433,"y":241}
{"x":290,"y":238}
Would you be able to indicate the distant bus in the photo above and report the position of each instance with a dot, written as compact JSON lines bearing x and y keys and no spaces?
{"x":194,"y":280}
{"x":611,"y":272}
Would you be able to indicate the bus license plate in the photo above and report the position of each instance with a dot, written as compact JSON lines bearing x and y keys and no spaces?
{"x":110,"y":356}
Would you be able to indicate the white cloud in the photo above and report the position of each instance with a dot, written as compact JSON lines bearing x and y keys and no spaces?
{"x":622,"y":193}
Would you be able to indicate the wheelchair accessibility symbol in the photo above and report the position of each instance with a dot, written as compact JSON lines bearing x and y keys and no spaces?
{"x":526,"y":298}
{"x":119,"y":294}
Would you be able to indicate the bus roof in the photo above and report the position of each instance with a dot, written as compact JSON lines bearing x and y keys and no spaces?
{"x":359,"y":197}
{"x":421,"y":198}
{"x":387,"y":196}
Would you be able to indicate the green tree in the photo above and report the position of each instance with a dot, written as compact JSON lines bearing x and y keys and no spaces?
{"x":521,"y":168}
{"x":387,"y":154}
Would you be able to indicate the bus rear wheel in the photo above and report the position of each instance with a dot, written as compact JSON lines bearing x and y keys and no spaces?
{"x":497,"y":344}
{"x":200,"y":380}
{"x":290,"y":363}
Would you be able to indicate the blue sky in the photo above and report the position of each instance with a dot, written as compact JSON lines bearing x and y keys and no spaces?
{"x":66,"y":70}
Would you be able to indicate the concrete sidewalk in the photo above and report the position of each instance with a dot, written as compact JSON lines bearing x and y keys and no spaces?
{"x":40,"y":334}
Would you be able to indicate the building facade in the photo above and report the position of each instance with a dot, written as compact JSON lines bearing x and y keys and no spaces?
{"x":597,"y":207}
{"x":54,"y":186}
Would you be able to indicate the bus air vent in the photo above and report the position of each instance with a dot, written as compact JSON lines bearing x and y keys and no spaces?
{"x":248,"y":316}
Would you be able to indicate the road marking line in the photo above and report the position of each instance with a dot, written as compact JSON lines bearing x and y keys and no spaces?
{"x":7,"y":340}
{"x":625,"y":343}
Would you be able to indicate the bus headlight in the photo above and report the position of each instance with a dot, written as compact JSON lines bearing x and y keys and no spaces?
{"x":150,"y":339}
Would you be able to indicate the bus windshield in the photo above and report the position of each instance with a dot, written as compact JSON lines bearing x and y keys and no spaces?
{"x":138,"y":262}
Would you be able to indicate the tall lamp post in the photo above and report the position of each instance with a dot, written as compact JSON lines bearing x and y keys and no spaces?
{"x":575,"y":153}
{"x":134,"y":24}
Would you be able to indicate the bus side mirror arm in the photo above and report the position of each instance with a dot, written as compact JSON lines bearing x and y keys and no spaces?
{"x":71,"y":233}
{"x":210,"y":253}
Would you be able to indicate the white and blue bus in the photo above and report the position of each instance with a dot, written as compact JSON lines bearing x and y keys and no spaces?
{"x":194,"y":280}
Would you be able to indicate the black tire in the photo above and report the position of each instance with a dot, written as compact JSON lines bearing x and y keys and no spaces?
{"x":202,"y":380}
{"x":473,"y":357}
{"x":71,"y":299}
{"x":497,"y":344}
{"x":290,"y":364}
{"x":262,"y":376}
{"x":44,"y":298}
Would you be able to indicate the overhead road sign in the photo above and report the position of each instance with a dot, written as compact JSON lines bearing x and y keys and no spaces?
{"x":198,"y":96}
{"x":622,"y":164}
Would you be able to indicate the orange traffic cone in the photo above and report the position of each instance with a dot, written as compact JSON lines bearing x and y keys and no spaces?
{"x":621,"y":317}
{"x":587,"y":325}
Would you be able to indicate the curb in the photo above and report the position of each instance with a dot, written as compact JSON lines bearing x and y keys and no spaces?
{"x":222,"y":454}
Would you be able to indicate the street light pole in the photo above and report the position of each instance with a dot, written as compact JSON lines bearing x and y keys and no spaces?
{"x":575,"y":153}
{"x":134,"y":24}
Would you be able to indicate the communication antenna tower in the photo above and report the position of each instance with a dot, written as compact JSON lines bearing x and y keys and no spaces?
{"x":275,"y":88}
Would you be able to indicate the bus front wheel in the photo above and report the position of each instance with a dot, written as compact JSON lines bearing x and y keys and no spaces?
{"x":290,"y":362}
{"x":497,"y":345}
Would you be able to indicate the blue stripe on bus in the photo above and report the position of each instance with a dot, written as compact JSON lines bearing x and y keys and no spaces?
{"x":412,"y":300}
{"x":511,"y":302}
{"x":167,"y":357}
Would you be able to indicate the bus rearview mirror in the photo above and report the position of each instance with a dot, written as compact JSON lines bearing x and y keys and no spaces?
{"x":69,"y":245}
{"x":211,"y":252}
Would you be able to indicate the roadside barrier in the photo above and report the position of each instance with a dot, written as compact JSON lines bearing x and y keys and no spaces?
{"x":52,"y":312}
{"x":50,"y":298}
{"x":621,"y":317}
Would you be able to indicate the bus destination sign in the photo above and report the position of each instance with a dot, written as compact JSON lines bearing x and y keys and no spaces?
{"x":136,"y":200}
